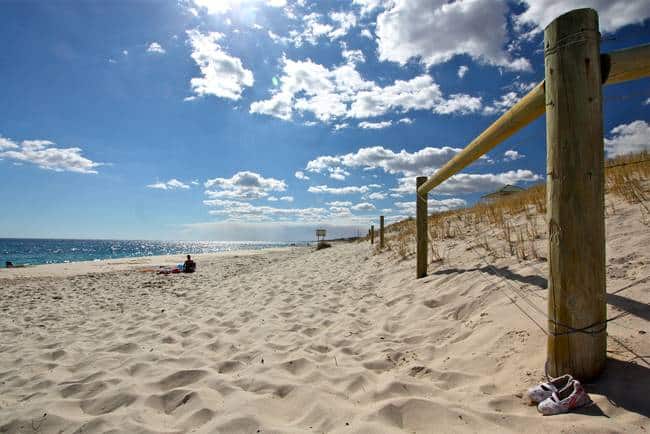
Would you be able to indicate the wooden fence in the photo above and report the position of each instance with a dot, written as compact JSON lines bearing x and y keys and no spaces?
{"x":571,"y":97}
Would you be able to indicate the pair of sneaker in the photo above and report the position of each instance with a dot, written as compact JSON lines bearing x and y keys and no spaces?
{"x":559,"y":395}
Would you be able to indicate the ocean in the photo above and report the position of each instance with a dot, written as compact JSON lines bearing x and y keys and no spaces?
{"x":30,"y":251}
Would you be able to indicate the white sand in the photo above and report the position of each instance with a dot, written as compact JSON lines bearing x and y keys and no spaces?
{"x":292,"y":340}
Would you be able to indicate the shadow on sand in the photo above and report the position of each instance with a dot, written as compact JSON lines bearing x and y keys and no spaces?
{"x":625,"y":385}
{"x":505,"y":272}
{"x":636,"y":308}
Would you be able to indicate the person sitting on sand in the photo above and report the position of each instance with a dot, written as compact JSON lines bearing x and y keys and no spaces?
{"x":190,"y":266}
{"x":9,"y":264}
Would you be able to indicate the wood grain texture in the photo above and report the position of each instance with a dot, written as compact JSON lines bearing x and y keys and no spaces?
{"x":625,"y":65}
{"x":421,"y":217}
{"x":575,"y":194}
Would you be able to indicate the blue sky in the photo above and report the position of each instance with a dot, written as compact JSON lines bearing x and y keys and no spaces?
{"x":264,"y":119}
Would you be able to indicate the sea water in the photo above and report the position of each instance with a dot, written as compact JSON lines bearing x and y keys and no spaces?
{"x":32,"y":251}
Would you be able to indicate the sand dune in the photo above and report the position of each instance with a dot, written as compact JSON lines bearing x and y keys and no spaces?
{"x":338,"y":340}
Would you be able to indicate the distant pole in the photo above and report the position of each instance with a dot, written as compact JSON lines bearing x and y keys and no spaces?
{"x":575,"y":194}
{"x":421,"y":215}
{"x":381,"y":232}
{"x":372,"y":234}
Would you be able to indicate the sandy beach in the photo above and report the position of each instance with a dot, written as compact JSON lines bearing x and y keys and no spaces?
{"x":296,"y":340}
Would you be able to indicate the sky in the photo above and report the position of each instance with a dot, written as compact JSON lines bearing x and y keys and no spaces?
{"x":266,"y":119}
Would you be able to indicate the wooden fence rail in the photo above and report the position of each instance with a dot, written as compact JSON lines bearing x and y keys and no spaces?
{"x":571,"y":97}
{"x":618,"y":66}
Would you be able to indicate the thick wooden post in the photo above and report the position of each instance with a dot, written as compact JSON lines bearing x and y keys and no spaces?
{"x":575,"y":194}
{"x":421,"y":215}
{"x":381,"y":232}
{"x":372,"y":234}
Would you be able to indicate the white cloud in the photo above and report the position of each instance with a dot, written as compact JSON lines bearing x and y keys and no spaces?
{"x":7,"y":144}
{"x":338,"y":173}
{"x":407,"y":121}
{"x":646,"y":102}
{"x":223,"y":75}
{"x":44,"y":154}
{"x":314,"y":28}
{"x":512,"y":155}
{"x":462,"y":70}
{"x":365,"y":206}
{"x":628,"y":138}
{"x":172,"y":184}
{"x":366,"y":34}
{"x":353,"y":56}
{"x":409,"y":163}
{"x":341,"y":126}
{"x":338,"y":203}
{"x":458,"y":103}
{"x":220,"y":7}
{"x":465,"y":183}
{"x":301,"y":175}
{"x":236,"y":210}
{"x":345,"y":21}
{"x":337,"y":190}
{"x":433,"y":205}
{"x":375,"y":125}
{"x":612,"y":14}
{"x":502,"y":104}
{"x":155,"y":47}
{"x":308,"y":87}
{"x":277,"y":38}
{"x":367,"y":6}
{"x":283,"y":198}
{"x":244,"y":185}
{"x":418,"y":93}
{"x":377,"y":196}
{"x":436,"y":30}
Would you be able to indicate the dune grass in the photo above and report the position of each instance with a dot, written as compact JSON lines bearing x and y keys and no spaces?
{"x":514,"y":225}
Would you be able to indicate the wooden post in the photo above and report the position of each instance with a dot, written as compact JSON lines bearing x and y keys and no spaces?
{"x":421,"y":215}
{"x":575,"y":194}
{"x":381,"y":232}
{"x":372,"y":234}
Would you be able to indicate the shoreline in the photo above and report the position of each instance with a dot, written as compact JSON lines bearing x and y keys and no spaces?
{"x":127,"y":263}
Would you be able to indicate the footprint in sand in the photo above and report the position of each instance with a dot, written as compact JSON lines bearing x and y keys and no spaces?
{"x":170,"y":401}
{"x":181,"y":378}
{"x":107,"y":404}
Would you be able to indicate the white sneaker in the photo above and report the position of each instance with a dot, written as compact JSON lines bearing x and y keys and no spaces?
{"x":542,"y":391}
{"x":572,"y":396}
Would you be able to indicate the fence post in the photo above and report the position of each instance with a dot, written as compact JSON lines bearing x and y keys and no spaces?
{"x":381,"y":232}
{"x":575,"y":194}
{"x":372,"y":234}
{"x":421,"y":214}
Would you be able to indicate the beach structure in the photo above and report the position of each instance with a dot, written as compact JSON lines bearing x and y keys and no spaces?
{"x":320,"y":235}
{"x":571,"y":98}
{"x":506,"y":190}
